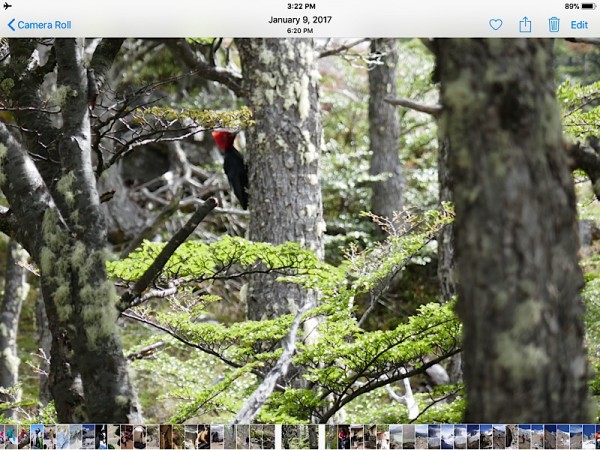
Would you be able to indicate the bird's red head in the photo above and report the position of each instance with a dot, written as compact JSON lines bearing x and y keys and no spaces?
{"x":224,"y":139}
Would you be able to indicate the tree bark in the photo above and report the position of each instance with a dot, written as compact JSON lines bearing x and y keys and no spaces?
{"x":61,"y":226}
{"x":15,"y":292}
{"x":384,"y":129}
{"x":516,"y":233}
{"x":283,"y":154}
{"x":445,"y":237}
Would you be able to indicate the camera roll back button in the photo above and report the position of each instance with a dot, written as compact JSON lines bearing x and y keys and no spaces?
{"x":33,"y":25}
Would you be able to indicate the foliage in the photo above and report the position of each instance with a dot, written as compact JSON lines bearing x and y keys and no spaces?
{"x":226,"y":258}
{"x":205,"y":118}
{"x":25,"y":408}
{"x":581,"y":108}
{"x":435,"y":407}
{"x":341,"y":365}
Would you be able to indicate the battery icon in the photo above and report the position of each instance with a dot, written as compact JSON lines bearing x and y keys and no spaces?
{"x":588,"y":6}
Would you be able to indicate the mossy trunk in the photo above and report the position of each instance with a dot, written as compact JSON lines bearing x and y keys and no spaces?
{"x":516,"y":233}
{"x":58,"y":220}
{"x":283,"y":154}
{"x":15,"y":292}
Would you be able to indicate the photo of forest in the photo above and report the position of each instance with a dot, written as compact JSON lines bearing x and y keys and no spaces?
{"x":299,"y":231}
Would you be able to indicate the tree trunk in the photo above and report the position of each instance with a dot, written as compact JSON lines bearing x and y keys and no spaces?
{"x":516,"y":233}
{"x":15,"y":292}
{"x":384,"y":129}
{"x":60,"y":223}
{"x":283,"y":153}
{"x":445,"y":237}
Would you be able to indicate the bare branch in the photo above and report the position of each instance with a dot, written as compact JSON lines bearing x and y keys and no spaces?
{"x":205,"y":70}
{"x":433,"y":110}
{"x":584,"y":40}
{"x":407,"y":399}
{"x":587,"y":158}
{"x":146,"y":352}
{"x":342,"y":48}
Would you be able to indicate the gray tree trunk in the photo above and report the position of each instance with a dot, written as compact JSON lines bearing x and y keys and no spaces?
{"x":516,"y":233}
{"x":56,"y":209}
{"x":15,"y":292}
{"x":283,"y":153}
{"x":384,"y":129}
{"x":445,"y":237}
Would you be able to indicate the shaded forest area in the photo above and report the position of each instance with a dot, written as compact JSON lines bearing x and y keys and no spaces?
{"x":412,"y":235}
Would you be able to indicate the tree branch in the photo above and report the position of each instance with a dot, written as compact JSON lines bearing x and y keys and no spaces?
{"x":435,"y":402}
{"x":342,"y":48}
{"x":433,"y":110}
{"x":146,"y":351}
{"x":128,"y":298}
{"x":134,"y":316}
{"x":593,"y":41}
{"x":26,"y":192}
{"x":587,"y":158}
{"x":104,"y":57}
{"x":200,"y":66}
{"x":340,"y":402}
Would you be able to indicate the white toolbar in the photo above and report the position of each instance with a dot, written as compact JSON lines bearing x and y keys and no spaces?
{"x":308,"y":18}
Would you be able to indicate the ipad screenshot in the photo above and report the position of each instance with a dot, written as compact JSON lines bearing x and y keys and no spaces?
{"x":317,"y":224}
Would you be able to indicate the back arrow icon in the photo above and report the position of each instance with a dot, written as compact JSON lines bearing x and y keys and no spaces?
{"x":10,"y":24}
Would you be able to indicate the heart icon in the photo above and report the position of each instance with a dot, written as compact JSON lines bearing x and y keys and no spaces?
{"x":496,"y":24}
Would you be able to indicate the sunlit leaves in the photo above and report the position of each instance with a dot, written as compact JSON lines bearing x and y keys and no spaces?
{"x":581,"y":113}
{"x":205,"y":118}
{"x":343,"y":359}
{"x":229,"y":257}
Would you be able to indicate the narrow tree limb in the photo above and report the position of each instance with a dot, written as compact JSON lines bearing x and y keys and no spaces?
{"x":195,"y":62}
{"x":104,"y":57}
{"x":433,"y":110}
{"x":407,"y":399}
{"x":26,"y":192}
{"x":342,"y":48}
{"x":179,"y":238}
{"x":340,"y":402}
{"x":435,"y":402}
{"x":593,"y":41}
{"x":146,"y":351}
{"x":587,"y":158}
{"x":131,"y":314}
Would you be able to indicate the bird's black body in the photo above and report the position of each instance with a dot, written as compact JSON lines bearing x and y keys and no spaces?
{"x":237,"y":174}
{"x":233,"y":165}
